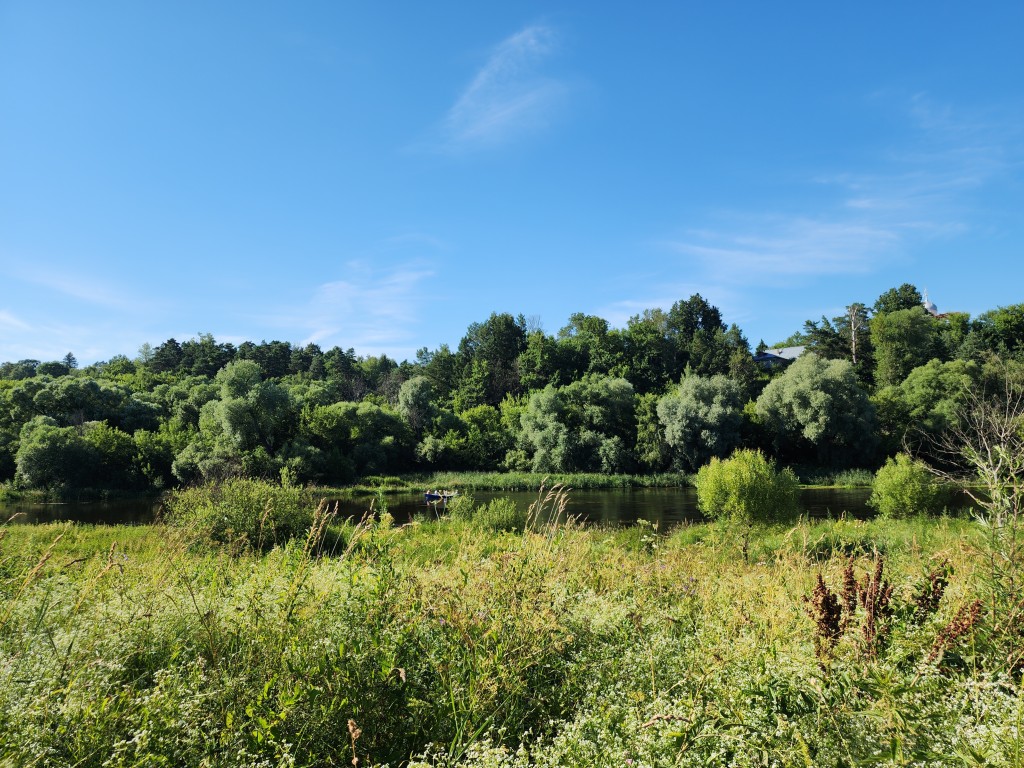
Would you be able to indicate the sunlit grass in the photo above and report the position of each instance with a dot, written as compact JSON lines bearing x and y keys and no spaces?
{"x":540,"y":645}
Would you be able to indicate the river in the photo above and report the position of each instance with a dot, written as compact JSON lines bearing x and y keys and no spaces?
{"x":661,"y":506}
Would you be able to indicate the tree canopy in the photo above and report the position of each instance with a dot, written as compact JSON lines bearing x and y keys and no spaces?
{"x":672,"y":388}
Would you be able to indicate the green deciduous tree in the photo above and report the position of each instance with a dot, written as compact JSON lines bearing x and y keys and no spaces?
{"x":651,"y":357}
{"x":586,"y":345}
{"x":742,"y":368}
{"x":364,"y":436}
{"x":118,"y":365}
{"x":817,"y":409}
{"x":487,"y":441}
{"x":905,"y":296}
{"x":541,"y":362}
{"x":925,"y":403}
{"x":902,"y":340}
{"x":155,"y":452}
{"x":416,"y":404}
{"x":242,"y":431}
{"x":1002,"y":330}
{"x":473,"y":386}
{"x":652,"y":451}
{"x":23,"y":369}
{"x":587,"y":426}
{"x":113,"y":456}
{"x":442,"y":368}
{"x":498,"y":342}
{"x":379,"y":376}
{"x":55,"y":369}
{"x":702,"y":418}
{"x":51,"y":456}
{"x":238,"y":379}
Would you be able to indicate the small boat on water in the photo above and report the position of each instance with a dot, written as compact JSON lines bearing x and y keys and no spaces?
{"x":443,"y":497}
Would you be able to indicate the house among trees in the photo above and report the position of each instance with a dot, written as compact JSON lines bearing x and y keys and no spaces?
{"x":774,"y":358}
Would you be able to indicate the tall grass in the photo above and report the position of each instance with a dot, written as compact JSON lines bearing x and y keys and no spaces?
{"x":834,"y":478}
{"x":454,"y":642}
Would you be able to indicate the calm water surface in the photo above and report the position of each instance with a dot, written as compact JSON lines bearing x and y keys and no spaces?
{"x":663,"y":506}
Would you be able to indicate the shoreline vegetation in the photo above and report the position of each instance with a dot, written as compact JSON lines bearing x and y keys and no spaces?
{"x":809,"y":477}
{"x":252,"y":630}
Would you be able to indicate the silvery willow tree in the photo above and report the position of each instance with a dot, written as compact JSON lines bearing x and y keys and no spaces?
{"x":817,"y":410}
{"x":587,"y":426}
{"x":702,"y":419}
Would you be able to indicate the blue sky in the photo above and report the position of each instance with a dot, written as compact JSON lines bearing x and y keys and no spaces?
{"x":380,"y":175}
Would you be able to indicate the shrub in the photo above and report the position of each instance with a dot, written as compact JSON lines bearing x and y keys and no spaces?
{"x":460,"y":508}
{"x":260,"y":513}
{"x":904,"y":487}
{"x":497,"y":515}
{"x":746,"y":488}
{"x":500,"y":515}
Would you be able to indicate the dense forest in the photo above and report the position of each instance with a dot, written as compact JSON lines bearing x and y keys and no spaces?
{"x":667,"y":392}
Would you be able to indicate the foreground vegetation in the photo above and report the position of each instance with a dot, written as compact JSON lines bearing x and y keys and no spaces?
{"x":490,"y":639}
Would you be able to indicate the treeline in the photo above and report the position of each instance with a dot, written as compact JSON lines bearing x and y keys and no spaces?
{"x":667,"y":392}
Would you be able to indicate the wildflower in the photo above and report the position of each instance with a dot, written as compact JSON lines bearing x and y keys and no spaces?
{"x":825,"y":610}
{"x":962,"y":623}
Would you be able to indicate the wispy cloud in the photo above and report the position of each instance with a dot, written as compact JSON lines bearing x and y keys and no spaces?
{"x":9,"y":321}
{"x":369,"y":308}
{"x":508,"y":97}
{"x":91,"y":290}
{"x":926,"y":184}
{"x":756,"y":249}
{"x":856,"y":220}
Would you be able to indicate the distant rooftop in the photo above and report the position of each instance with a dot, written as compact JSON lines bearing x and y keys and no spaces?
{"x":780,"y":355}
{"x":787,"y":353}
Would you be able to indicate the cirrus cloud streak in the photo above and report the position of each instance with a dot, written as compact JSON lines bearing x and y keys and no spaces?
{"x":509,"y":97}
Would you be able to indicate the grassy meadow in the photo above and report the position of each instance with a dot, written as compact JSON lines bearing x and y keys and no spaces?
{"x":488,"y":639}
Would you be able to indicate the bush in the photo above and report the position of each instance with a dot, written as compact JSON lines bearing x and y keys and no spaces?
{"x":747,"y":489}
{"x":496,"y":516}
{"x":500,"y":515}
{"x":460,"y":508}
{"x":255,"y":511}
{"x":904,"y":487}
